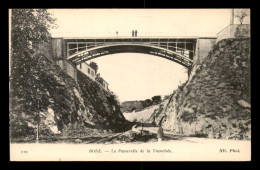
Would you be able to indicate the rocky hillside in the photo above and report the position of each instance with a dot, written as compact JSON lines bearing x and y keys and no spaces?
{"x":64,"y":104}
{"x":103,"y":107}
{"x":215,"y":102}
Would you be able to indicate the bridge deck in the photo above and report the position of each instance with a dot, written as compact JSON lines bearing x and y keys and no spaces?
{"x":139,"y":37}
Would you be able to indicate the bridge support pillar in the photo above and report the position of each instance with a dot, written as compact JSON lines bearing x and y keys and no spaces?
{"x":59,"y":55}
{"x":68,"y":68}
{"x":203,"y":47}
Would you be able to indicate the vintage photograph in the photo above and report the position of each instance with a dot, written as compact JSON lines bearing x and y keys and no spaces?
{"x":129,"y":84}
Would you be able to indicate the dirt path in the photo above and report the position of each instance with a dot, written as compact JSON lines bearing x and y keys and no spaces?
{"x":105,"y":139}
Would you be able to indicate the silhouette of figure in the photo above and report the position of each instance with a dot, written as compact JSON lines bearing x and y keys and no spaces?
{"x":136,"y":33}
{"x":160,"y":133}
{"x":133,"y":33}
{"x":116,"y":33}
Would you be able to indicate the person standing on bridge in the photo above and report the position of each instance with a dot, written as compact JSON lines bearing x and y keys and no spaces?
{"x":160,"y":133}
{"x":136,"y":33}
{"x":133,"y":33}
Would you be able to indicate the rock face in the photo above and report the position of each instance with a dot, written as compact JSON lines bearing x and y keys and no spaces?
{"x":102,"y":108}
{"x":63,"y":104}
{"x":215,"y":102}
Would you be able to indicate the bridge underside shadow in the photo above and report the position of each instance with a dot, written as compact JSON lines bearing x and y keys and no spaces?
{"x":92,"y":53}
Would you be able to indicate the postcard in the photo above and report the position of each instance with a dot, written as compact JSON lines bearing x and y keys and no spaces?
{"x":129,"y":85}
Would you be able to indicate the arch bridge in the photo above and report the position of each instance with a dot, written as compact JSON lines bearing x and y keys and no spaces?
{"x":182,"y":50}
{"x":179,"y":50}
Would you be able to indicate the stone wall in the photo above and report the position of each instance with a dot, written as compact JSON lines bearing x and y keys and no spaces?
{"x":68,"y":68}
{"x":234,"y":31}
{"x":57,"y":48}
{"x":203,"y":47}
{"x":59,"y":53}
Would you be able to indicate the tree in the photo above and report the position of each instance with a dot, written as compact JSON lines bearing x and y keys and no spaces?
{"x":147,"y":103}
{"x":156,"y":99}
{"x":116,"y":99}
{"x":29,"y":29}
{"x":241,"y":14}
{"x":94,"y":66}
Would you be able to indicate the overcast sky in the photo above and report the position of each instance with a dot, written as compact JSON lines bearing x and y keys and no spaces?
{"x":138,"y":76}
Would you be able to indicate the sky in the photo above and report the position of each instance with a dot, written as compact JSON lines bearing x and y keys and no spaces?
{"x":133,"y":76}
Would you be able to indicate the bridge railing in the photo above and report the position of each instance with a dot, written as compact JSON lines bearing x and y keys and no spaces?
{"x":79,"y":46}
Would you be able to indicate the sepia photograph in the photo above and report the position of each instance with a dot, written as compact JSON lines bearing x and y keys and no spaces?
{"x":130,"y":84}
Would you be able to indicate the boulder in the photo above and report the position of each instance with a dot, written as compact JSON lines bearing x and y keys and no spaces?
{"x":210,"y":113}
{"x":225,"y":108}
{"x":78,"y":141}
{"x":188,"y":110}
{"x":244,"y":104}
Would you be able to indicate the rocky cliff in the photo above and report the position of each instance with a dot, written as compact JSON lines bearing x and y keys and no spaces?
{"x":215,"y":102}
{"x":103,"y":108}
{"x":63,"y":104}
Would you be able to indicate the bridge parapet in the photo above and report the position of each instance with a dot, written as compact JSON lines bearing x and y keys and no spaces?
{"x":234,"y":31}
